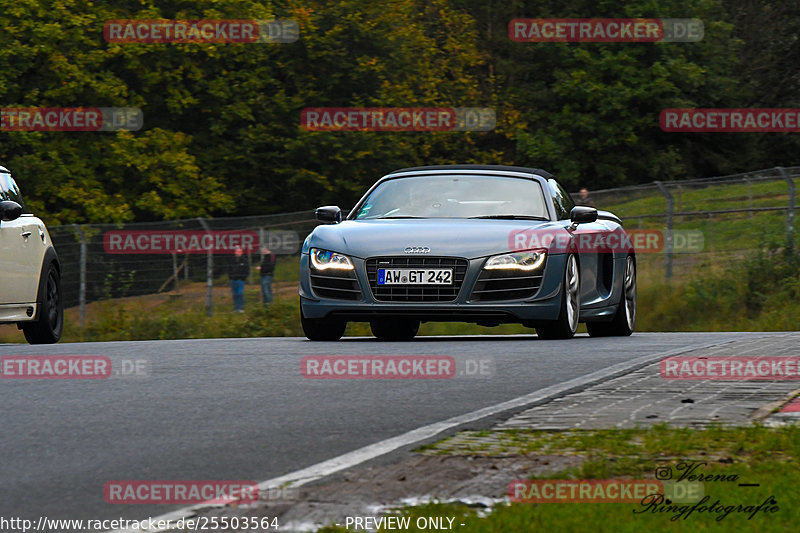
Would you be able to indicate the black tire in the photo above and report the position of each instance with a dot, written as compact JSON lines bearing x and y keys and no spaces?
{"x":49,"y":324}
{"x":624,"y":320}
{"x":567,"y":323}
{"x":403,"y":329}
{"x":322,"y":329}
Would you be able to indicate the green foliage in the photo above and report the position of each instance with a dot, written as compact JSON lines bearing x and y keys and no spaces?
{"x":221,"y":128}
{"x":591,"y":109}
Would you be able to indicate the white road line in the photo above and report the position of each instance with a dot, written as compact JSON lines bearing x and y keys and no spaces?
{"x":415,"y":436}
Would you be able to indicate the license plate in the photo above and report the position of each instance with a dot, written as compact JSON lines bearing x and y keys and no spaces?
{"x":408,"y":276}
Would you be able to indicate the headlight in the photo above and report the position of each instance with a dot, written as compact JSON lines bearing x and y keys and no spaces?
{"x":325,"y":259}
{"x":516,"y":261}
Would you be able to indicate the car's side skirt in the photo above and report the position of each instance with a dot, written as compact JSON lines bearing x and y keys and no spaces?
{"x":598,"y":314}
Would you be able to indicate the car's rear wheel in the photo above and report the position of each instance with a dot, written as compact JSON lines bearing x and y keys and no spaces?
{"x":567,"y":323}
{"x":49,"y":324}
{"x":403,"y":329}
{"x":322,"y":329}
{"x":625,"y":318}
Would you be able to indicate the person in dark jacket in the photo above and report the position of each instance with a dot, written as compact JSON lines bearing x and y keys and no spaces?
{"x":267,"y":269}
{"x":585,"y":199}
{"x":238,"y":272}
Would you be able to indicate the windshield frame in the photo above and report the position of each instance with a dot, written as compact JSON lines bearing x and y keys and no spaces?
{"x":7,"y":185}
{"x":546,"y":198}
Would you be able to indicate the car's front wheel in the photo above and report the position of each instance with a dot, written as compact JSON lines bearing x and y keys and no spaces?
{"x":567,"y":323}
{"x":395,"y":330}
{"x":322,"y":329}
{"x":49,"y":324}
{"x":625,"y":318}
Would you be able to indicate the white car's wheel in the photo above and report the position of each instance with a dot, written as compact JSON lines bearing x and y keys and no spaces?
{"x":49,"y":323}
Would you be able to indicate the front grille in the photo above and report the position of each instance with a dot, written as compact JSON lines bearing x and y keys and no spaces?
{"x":424,"y":293}
{"x":337,"y":284}
{"x":496,"y":285}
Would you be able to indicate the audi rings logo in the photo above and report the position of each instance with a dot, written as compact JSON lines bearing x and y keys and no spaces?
{"x":417,"y":250}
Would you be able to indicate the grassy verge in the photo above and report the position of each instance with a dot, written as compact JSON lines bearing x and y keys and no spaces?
{"x":755,"y":291}
{"x":757,"y":455}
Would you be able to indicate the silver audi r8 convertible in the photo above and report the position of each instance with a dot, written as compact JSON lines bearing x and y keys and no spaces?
{"x":468,"y":243}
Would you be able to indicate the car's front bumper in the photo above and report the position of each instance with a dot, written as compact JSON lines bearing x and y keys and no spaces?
{"x":543,"y":304}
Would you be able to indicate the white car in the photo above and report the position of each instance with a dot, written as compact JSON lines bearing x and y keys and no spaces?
{"x":30,"y":274}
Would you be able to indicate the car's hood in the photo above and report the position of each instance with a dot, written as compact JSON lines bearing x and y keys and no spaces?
{"x":444,"y":237}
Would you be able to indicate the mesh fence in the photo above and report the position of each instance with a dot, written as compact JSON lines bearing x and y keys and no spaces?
{"x":101,"y":261}
{"x":723,"y":218}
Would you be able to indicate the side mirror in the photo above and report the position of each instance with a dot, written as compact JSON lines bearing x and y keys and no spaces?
{"x":9,"y":210}
{"x":329,"y":214}
{"x":582,"y":214}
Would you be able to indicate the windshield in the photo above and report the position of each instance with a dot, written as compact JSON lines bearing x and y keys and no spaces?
{"x":455,"y":197}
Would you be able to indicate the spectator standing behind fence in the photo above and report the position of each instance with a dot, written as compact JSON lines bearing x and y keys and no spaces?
{"x":585,"y":199}
{"x":238,"y":272}
{"x":267,"y":268}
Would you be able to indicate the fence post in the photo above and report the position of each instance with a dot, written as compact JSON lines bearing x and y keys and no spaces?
{"x":709,"y":233}
{"x":82,"y":275}
{"x":175,"y":270}
{"x":262,"y":243}
{"x":749,"y":195}
{"x":250,"y":265}
{"x":668,"y":231}
{"x":209,"y":273}
{"x":790,"y":215}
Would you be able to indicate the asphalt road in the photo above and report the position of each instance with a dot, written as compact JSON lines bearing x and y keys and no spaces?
{"x":239,"y":409}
